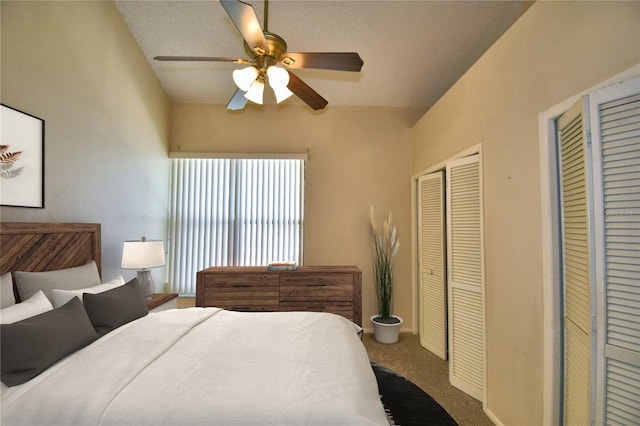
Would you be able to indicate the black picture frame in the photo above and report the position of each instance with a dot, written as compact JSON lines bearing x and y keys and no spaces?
{"x":21,"y":159}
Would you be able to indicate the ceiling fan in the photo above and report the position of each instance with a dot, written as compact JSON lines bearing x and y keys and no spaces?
{"x":267,"y":51}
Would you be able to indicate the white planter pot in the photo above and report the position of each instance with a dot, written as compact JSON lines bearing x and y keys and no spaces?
{"x":386,"y":333}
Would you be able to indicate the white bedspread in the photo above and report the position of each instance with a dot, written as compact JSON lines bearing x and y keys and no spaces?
{"x":208,"y":366}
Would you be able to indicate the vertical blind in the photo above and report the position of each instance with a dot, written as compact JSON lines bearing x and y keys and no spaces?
{"x":233,"y":212}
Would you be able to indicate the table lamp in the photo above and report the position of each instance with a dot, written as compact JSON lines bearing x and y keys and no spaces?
{"x":143,"y":255}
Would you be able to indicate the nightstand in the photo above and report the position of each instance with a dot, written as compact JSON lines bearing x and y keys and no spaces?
{"x":162,"y":302}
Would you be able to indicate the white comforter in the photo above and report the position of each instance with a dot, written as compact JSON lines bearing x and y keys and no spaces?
{"x":208,"y":366}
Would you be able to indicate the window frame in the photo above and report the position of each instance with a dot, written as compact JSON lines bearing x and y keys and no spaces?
{"x":179,"y":272}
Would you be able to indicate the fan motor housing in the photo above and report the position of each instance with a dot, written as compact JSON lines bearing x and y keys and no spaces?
{"x":277,"y":46}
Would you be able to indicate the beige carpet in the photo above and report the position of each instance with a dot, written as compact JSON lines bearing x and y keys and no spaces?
{"x":430,"y":373}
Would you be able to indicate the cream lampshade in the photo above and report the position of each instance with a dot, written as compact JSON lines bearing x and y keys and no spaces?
{"x":143,"y":255}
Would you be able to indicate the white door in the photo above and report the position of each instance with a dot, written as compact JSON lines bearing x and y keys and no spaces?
{"x":432,"y":286}
{"x":615,"y":113}
{"x":577,"y":264}
{"x":465,"y":275}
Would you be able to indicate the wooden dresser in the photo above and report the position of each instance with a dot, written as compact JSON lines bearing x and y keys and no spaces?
{"x":335,"y":289}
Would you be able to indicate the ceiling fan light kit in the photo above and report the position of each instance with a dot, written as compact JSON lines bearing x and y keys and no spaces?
{"x":251,"y":81}
{"x":245,"y":77}
{"x":266,"y":51}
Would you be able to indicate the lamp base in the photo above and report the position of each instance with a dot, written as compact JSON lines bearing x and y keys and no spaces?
{"x":146,"y":282}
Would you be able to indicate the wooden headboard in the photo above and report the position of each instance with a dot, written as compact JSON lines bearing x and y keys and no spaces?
{"x":37,"y":247}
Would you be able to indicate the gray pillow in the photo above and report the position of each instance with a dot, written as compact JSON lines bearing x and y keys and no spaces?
{"x":28,"y":283}
{"x":112,"y":308}
{"x":30,"y":346}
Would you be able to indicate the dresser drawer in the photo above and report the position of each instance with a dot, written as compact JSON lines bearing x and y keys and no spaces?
{"x":325,"y":287}
{"x":341,"y":308}
{"x":239,"y":292}
{"x":318,"y":292}
{"x":328,"y":279}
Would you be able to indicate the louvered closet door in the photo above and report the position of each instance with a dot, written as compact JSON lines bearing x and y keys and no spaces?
{"x":576,"y":266}
{"x":616,"y":144}
{"x":431,"y":264}
{"x":465,"y":276}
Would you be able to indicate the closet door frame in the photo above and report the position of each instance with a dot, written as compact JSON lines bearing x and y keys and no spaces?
{"x":473,"y":150}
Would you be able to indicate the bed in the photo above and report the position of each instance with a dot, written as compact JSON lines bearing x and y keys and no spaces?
{"x":182,"y":366}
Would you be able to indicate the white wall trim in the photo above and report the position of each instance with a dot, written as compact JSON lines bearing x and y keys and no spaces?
{"x":492,"y":417}
{"x":551,"y":322}
{"x":552,"y":299}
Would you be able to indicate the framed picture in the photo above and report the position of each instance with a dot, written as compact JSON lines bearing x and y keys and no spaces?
{"x":21,"y":159}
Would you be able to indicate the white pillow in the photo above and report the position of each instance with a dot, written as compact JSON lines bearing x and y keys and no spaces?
{"x":28,"y":283}
{"x":35,"y":305}
{"x":6,"y":291}
{"x":59,"y":297}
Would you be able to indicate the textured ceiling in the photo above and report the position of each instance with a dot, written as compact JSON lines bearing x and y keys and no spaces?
{"x":413,"y":51}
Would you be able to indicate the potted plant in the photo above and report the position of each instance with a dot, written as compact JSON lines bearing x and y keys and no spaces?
{"x":386,"y":244}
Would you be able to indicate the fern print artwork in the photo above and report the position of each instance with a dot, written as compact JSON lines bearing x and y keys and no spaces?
{"x":21,"y":159}
{"x":7,"y":162}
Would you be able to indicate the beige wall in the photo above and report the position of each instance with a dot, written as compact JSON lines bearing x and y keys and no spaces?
{"x":357,"y":157}
{"x":76,"y":65}
{"x":556,"y":50}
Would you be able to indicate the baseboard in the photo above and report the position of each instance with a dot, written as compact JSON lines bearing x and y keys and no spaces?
{"x":492,"y":417}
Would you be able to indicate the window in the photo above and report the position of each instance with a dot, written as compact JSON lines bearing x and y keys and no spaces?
{"x":233,"y":212}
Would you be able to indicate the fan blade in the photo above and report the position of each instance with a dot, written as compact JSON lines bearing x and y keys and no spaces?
{"x":246,"y":21}
{"x":238,"y":101}
{"x":339,"y":61}
{"x":306,"y":93}
{"x":202,"y":59}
